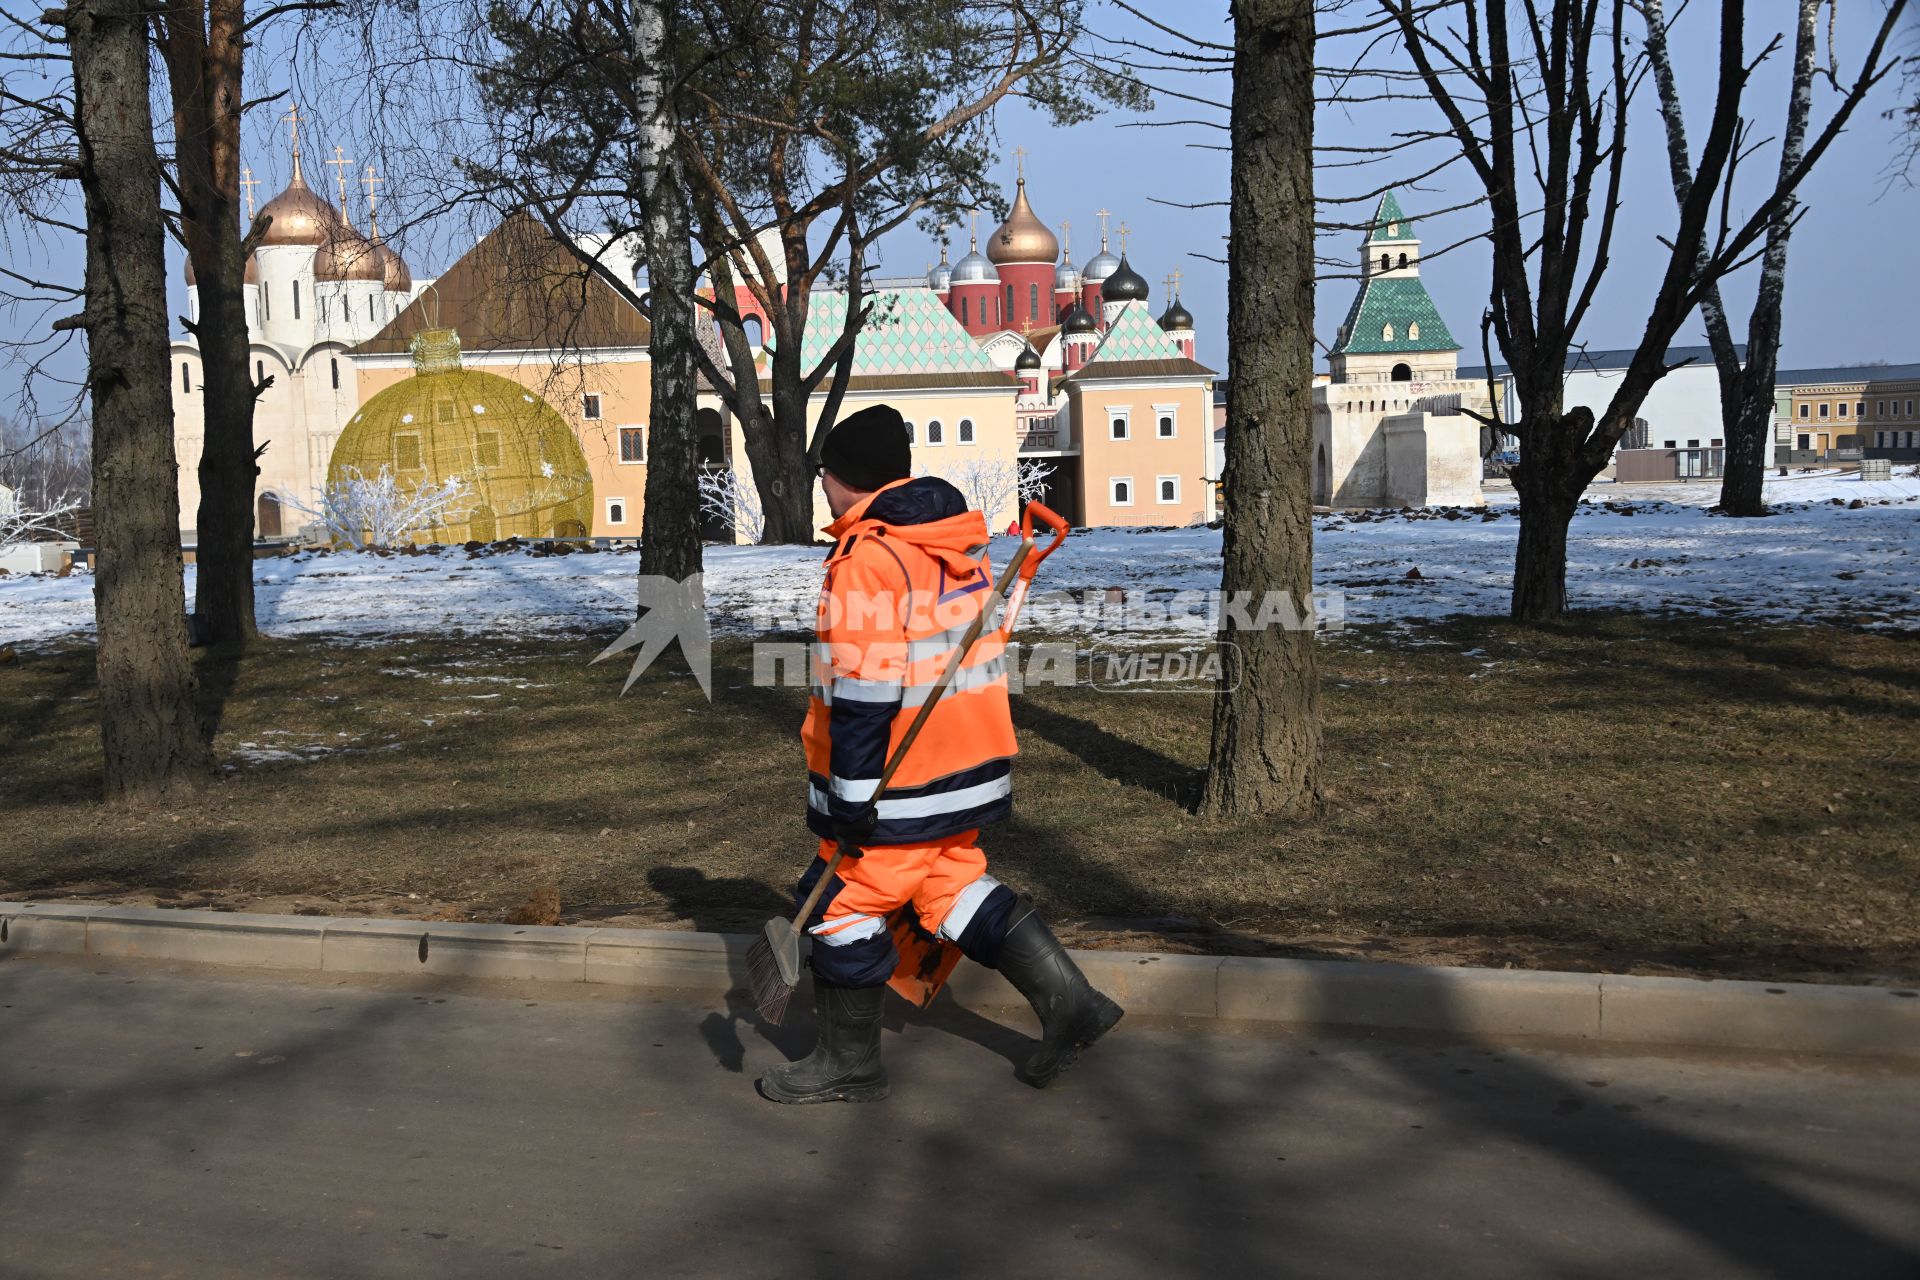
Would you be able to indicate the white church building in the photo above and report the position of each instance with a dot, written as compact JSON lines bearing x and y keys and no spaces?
{"x":1387,"y":426}
{"x":315,"y":287}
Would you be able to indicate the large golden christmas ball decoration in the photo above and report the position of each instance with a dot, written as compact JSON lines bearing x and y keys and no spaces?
{"x":521,"y":468}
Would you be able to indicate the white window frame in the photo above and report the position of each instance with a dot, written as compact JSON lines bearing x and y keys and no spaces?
{"x":1124,"y":417}
{"x":913,"y":432}
{"x":591,"y":406}
{"x":964,"y":433}
{"x":1169,"y":411}
{"x":932,"y":425}
{"x":1112,"y":483}
{"x":619,"y":444}
{"x":621,"y":503}
{"x":1159,"y":501}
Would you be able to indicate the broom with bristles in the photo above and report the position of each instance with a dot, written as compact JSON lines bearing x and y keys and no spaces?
{"x":773,"y":962}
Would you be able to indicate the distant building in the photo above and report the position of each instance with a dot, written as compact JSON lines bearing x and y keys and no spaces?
{"x":1680,"y":416}
{"x":1840,"y":414}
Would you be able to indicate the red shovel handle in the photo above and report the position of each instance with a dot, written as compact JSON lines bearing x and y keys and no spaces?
{"x":1048,"y":517}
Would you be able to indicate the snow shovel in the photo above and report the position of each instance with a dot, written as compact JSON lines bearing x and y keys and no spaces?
{"x":926,"y":961}
{"x":773,"y":962}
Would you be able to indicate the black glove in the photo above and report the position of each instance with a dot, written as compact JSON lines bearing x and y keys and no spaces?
{"x":857,"y":831}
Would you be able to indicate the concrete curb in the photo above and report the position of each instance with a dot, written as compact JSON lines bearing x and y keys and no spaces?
{"x":1489,"y":1004}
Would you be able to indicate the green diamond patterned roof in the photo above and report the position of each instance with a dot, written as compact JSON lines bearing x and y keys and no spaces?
{"x":910,"y":331}
{"x":1135,"y":335}
{"x":1400,"y":301}
{"x":1389,"y":223}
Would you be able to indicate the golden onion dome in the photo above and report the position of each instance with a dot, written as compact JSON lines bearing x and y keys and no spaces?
{"x":300,"y":214}
{"x":393,"y":268}
{"x":522,"y":472}
{"x":348,"y":255}
{"x":1022,"y":237}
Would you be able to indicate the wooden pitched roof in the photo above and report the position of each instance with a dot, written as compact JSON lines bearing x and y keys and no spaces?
{"x":518,"y":289}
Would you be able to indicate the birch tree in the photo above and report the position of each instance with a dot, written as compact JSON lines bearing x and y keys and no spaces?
{"x":670,"y":522}
{"x":1746,"y":392}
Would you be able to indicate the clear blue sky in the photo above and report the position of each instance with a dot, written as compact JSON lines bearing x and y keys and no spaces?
{"x":1852,"y":284}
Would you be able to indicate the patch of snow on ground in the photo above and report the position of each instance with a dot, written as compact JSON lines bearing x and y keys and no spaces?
{"x":1632,"y":547}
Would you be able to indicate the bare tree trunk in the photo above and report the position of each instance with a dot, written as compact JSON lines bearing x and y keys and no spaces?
{"x":670,"y":523}
{"x":1266,"y":717}
{"x":1746,"y":394}
{"x":203,"y":48}
{"x":148,"y":722}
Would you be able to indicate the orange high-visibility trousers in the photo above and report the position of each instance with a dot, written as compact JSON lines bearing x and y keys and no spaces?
{"x":945,"y":882}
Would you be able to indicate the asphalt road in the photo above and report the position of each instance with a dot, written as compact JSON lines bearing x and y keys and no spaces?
{"x":168,"y":1122}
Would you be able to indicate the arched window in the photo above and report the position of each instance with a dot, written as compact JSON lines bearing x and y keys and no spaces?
{"x":963,"y":312}
{"x":267,"y":516}
{"x":1033,"y":302}
{"x":333,"y":367}
{"x":186,"y":377}
{"x":1386,"y":333}
{"x":259,"y":372}
{"x":1403,"y":260}
{"x":1386,"y":262}
{"x":1009,"y":310}
{"x":1402,"y":373}
{"x":296,"y":299}
{"x":966,"y":431}
{"x":936,"y":434}
{"x":1413,"y":332}
{"x":751,"y":326}
{"x":911,"y":437}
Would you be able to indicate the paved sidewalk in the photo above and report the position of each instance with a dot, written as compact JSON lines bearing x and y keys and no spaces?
{"x":170,"y":1122}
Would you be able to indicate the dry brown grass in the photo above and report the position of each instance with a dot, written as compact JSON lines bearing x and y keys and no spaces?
{"x":1623,"y":792}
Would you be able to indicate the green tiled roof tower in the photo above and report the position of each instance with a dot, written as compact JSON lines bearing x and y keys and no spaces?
{"x":1392,"y":313}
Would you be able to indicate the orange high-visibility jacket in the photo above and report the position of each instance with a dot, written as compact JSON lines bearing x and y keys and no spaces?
{"x":908,"y":573}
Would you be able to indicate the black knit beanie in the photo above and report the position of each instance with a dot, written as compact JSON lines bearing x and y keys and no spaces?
{"x":869,"y":450}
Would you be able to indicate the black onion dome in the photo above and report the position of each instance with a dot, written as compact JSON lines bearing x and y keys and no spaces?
{"x":1124,"y":285}
{"x":1027,"y":359}
{"x":1177,"y":317}
{"x":1078,"y":321}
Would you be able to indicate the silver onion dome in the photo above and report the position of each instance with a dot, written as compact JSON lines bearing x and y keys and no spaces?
{"x":974,"y":269}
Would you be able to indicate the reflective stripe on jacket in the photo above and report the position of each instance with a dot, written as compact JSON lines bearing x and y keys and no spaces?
{"x":908,"y":574}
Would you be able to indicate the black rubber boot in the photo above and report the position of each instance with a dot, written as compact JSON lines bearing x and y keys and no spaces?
{"x":1072,"y":1014}
{"x":845,"y":1063}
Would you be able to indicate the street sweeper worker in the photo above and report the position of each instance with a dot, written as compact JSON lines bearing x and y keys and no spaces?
{"x":907,"y":574}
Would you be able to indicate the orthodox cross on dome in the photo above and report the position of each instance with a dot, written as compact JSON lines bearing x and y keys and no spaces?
{"x":1020,"y":163}
{"x":1103,"y":215}
{"x":1174,"y":282}
{"x":247,"y":184}
{"x":1066,"y":246}
{"x":292,"y":120}
{"x":973,"y":229}
{"x":339,"y":165}
{"x":1125,"y":231}
{"x":371,"y":180}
